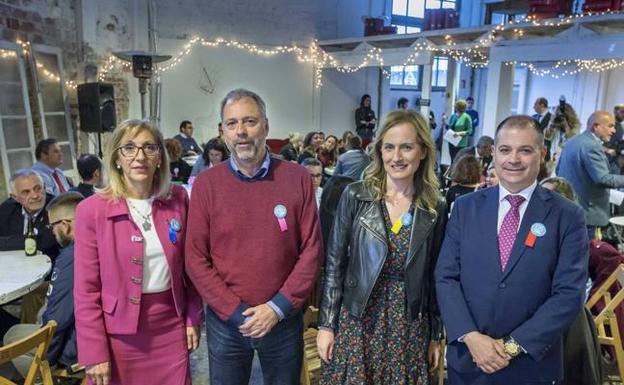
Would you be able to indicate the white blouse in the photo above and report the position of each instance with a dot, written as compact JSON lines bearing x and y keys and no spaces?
{"x":156,"y":274}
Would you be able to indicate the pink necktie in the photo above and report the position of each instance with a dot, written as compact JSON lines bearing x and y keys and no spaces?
{"x":509,"y":229}
{"x":58,"y":182}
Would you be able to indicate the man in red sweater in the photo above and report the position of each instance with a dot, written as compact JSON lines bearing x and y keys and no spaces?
{"x":253,"y":250}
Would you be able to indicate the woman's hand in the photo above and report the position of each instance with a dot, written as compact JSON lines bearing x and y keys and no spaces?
{"x":325,"y":344}
{"x":192,"y":337}
{"x":99,"y":373}
{"x":433,"y":355}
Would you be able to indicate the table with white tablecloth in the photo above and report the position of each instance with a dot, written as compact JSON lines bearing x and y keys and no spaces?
{"x":20,"y":274}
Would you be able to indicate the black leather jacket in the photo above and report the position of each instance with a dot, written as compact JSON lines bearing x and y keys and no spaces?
{"x":356,"y":252}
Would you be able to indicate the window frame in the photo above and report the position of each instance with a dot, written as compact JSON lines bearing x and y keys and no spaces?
{"x":403,"y":86}
{"x":4,"y":152}
{"x":71,"y":171}
{"x":435,"y":73}
{"x":405,"y":21}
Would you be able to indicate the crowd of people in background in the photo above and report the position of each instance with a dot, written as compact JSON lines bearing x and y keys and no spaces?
{"x":400,"y":235}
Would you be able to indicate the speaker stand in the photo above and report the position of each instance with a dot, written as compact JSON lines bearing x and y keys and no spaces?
{"x":100,"y":154}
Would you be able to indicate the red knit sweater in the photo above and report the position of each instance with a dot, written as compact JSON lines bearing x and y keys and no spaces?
{"x":236,"y":254}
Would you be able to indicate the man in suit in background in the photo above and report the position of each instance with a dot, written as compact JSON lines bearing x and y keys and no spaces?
{"x":511,"y":274}
{"x":542,"y":118}
{"x":482,"y":151}
{"x":542,"y":115}
{"x":26,"y":203}
{"x":584,"y":164}
{"x":49,"y":158}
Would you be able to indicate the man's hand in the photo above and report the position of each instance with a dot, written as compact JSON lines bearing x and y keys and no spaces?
{"x":262,"y":320}
{"x":487,"y":353}
{"x":99,"y":373}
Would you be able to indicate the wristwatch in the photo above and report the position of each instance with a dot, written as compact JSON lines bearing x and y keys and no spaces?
{"x":511,"y":346}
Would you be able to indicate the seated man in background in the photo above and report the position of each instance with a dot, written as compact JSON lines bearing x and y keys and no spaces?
{"x":353,"y":162}
{"x":315,"y":168}
{"x":27,"y":204}
{"x":185,"y":137}
{"x":60,"y":299}
{"x":90,"y":170}
{"x":49,"y":158}
{"x":482,"y":151}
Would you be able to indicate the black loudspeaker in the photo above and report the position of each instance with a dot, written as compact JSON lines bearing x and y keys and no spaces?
{"x":96,"y":105}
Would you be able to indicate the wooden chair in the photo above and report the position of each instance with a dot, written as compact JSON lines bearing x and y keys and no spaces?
{"x":611,"y":295}
{"x":75,"y":373}
{"x":40,"y":368}
{"x":311,"y":368}
{"x":441,"y":371}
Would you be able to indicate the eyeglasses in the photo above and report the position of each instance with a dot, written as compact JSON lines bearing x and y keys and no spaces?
{"x":131,"y":150}
{"x":51,"y":225}
{"x":247,"y":123}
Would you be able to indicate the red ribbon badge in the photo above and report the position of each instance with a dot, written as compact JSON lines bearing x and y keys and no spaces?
{"x":530,"y":239}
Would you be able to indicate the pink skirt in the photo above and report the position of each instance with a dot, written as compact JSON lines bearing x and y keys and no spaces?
{"x":157,"y":353}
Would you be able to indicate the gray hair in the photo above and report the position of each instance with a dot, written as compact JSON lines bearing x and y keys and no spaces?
{"x":485,"y":141}
{"x":241,"y":93}
{"x":23,"y":173}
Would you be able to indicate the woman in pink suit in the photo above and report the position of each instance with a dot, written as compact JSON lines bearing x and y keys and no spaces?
{"x":137,"y":314}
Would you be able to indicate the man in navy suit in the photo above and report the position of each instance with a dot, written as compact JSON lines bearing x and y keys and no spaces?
{"x":511,"y":274}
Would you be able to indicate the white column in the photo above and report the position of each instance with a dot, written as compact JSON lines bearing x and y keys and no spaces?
{"x":452,"y":81}
{"x":498,"y":93}
{"x":426,"y":84}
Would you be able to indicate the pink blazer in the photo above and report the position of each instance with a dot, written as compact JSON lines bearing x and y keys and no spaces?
{"x":108,"y":270}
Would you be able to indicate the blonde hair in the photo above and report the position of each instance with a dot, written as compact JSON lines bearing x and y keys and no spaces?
{"x":295,"y":137}
{"x":115,"y":187}
{"x":426,"y":194}
{"x":461,"y":105}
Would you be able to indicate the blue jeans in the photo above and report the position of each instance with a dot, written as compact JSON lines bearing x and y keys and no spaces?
{"x":230,"y":354}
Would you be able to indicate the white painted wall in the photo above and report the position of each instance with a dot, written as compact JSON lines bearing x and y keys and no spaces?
{"x":284,"y":83}
{"x":340,"y":97}
{"x":586,"y":92}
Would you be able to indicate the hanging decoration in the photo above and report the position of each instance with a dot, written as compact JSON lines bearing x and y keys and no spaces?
{"x":473,"y":55}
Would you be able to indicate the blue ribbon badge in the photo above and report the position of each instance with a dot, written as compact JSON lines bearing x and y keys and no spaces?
{"x":407,"y":219}
{"x":538,"y":229}
{"x":174,"y":228}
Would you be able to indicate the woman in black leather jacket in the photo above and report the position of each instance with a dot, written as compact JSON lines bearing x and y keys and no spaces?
{"x":379,"y":318}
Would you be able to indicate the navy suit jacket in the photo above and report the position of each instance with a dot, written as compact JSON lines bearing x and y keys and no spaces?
{"x":534,"y":299}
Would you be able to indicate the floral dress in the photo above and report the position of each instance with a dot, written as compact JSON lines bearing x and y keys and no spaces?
{"x":382,"y":347}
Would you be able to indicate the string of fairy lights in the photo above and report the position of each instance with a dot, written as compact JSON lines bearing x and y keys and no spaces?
{"x":473,"y":54}
{"x":41,"y":68}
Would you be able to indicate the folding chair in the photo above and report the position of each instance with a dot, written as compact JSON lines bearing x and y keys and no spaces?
{"x":311,"y":367}
{"x":611,"y":295}
{"x":76,"y":372}
{"x":40,"y":340}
